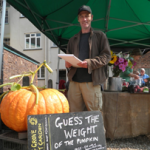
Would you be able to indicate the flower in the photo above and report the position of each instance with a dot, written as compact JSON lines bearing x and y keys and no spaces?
{"x":113,"y":59}
{"x":117,"y":62}
{"x":126,"y":63}
{"x":126,"y":56}
{"x":129,"y":63}
{"x":122,"y":67}
{"x":111,"y":52}
{"x":120,"y":62}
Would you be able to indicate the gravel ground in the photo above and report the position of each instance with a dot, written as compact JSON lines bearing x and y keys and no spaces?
{"x":137,"y":143}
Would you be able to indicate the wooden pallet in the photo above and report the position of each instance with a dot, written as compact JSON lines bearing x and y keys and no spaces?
{"x":13,"y":136}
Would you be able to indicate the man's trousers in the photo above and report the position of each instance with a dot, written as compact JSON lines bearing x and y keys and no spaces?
{"x":84,"y":96}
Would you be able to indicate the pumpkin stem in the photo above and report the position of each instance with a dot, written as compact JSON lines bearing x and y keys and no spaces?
{"x":48,"y":68}
{"x":29,"y":88}
{"x":36,"y":91}
{"x":17,"y":86}
{"x":62,"y":90}
{"x":6,"y":84}
{"x":38,"y":68}
{"x":26,"y":87}
{"x":45,"y":64}
{"x":17,"y":76}
{"x":2,"y":95}
{"x":20,"y":78}
{"x":41,"y":88}
{"x":32,"y":79}
{"x":33,"y":73}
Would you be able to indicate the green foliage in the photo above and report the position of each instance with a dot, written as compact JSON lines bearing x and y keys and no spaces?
{"x":15,"y":87}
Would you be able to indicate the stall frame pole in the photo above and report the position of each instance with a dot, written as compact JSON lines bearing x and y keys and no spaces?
{"x":2,"y":35}
{"x":57,"y":80}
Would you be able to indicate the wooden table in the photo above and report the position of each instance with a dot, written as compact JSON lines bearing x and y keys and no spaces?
{"x":126,"y":115}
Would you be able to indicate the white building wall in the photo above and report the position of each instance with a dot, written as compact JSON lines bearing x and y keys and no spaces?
{"x":7,"y":25}
{"x":19,"y":26}
{"x":54,"y":62}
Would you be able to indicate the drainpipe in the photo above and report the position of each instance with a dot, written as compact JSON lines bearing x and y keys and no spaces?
{"x":2,"y":35}
{"x":57,"y":81}
{"x":46,"y":58}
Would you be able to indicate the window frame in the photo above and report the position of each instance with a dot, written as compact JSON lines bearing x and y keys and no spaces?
{"x":6,"y":17}
{"x":22,"y":16}
{"x":35,"y":37}
{"x":1,"y":4}
{"x":25,"y":78}
{"x":7,"y":41}
{"x":40,"y":73}
{"x":54,"y":45}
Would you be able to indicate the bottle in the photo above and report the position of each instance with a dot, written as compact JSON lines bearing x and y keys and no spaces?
{"x":140,"y":81}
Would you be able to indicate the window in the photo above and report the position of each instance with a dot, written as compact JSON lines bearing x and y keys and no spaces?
{"x":33,"y":41}
{"x":22,"y":16}
{"x":6,"y":17}
{"x":7,"y":41}
{"x":1,"y":3}
{"x":25,"y":81}
{"x":50,"y":83}
{"x":41,"y":73}
{"x":54,"y":45}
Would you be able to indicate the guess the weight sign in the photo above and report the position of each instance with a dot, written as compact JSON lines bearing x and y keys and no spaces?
{"x":68,"y":131}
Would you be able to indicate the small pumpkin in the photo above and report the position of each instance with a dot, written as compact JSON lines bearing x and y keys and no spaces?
{"x":17,"y":105}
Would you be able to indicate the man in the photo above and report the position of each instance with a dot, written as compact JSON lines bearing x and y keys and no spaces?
{"x":137,"y":73}
{"x":147,"y":82}
{"x":93,"y":49}
{"x":143,"y":75}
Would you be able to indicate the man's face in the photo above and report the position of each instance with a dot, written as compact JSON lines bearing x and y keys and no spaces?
{"x":85,"y":18}
{"x":142,"y":72}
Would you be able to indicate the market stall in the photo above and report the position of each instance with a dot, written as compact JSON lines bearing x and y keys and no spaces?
{"x":126,"y":115}
{"x":122,"y":111}
{"x":126,"y":98}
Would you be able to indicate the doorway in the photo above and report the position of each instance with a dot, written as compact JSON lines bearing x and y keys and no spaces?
{"x":62,"y":75}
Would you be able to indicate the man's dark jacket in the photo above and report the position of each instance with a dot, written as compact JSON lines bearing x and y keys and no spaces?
{"x":99,"y":55}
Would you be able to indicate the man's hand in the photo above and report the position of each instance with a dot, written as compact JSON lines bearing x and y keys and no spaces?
{"x":136,"y":77}
{"x":67,"y":64}
{"x":83,"y":64}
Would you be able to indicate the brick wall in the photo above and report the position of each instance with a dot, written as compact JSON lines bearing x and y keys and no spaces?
{"x":144,"y":62}
{"x":15,"y":65}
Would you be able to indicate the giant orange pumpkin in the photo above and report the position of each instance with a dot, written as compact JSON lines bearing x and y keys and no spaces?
{"x":17,"y":105}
